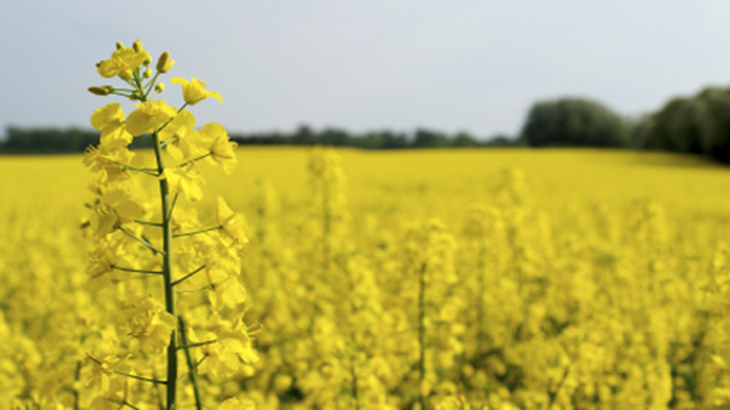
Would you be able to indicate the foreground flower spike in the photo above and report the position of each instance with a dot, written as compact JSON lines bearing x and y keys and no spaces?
{"x":160,"y":241}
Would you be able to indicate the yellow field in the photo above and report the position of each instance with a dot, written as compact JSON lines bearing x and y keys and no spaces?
{"x":496,"y":279}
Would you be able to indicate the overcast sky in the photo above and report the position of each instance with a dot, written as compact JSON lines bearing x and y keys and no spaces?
{"x":449,"y":65}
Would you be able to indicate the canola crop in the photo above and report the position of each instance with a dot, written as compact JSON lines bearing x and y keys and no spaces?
{"x":438,"y":279}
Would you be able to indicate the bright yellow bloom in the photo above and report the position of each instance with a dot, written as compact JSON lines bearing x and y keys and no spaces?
{"x":107,"y":253}
{"x":194,"y":91}
{"x":107,"y":161}
{"x":146,"y":320}
{"x":115,"y":398}
{"x":214,"y":139}
{"x":110,"y":121}
{"x":181,"y":139}
{"x":107,"y":117}
{"x":228,"y":290}
{"x":124,"y":207}
{"x":186,"y":182}
{"x":122,"y":63}
{"x":232,"y":223}
{"x":148,"y":116}
{"x":233,"y":347}
{"x":97,"y":375}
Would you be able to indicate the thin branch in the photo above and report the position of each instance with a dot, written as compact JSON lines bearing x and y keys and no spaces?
{"x":148,"y":171}
{"x":142,"y":241}
{"x":191,"y":368}
{"x":128,"y":404}
{"x":172,"y":206}
{"x":152,"y":272}
{"x":192,"y":345}
{"x":188,"y":275}
{"x":215,"y":228}
{"x":211,"y":286}
{"x":151,"y":84}
{"x":205,"y":356}
{"x":195,"y":159}
{"x":148,"y":223}
{"x":145,"y":379}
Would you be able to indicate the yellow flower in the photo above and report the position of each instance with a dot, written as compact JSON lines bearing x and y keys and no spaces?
{"x":125,"y":208}
{"x":180,"y":137}
{"x":233,"y":346}
{"x":232,"y":223}
{"x":148,"y":116}
{"x":110,"y":121}
{"x":186,"y":182}
{"x":107,"y":253}
{"x":194,"y":91}
{"x":228,"y":290}
{"x":214,"y":139}
{"x":107,"y":161}
{"x":145,"y":320}
{"x":123,"y":63}
{"x":97,"y":376}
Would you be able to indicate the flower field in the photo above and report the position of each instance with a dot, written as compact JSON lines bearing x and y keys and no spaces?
{"x":437,"y":279}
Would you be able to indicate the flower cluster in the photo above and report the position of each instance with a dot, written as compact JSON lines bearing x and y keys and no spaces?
{"x":152,"y":252}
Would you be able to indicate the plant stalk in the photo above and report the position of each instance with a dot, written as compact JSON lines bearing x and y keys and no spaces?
{"x":167,"y":274}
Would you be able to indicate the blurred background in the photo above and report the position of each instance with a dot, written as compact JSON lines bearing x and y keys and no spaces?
{"x":388,"y":74}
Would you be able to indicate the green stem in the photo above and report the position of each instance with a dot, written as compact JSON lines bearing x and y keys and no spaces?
{"x":77,"y":376}
{"x":151,"y":84}
{"x":167,"y":274}
{"x":353,"y":374}
{"x":120,"y":93}
{"x":422,"y":332}
{"x":191,"y":366}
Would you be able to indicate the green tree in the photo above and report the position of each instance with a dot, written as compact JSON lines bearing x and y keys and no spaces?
{"x":699,"y":124}
{"x":573,"y":122}
{"x":430,"y":139}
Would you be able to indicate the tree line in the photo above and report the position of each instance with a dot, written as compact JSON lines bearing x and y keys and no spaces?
{"x":74,"y":140}
{"x":698,"y":124}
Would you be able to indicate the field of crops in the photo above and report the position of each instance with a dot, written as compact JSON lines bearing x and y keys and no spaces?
{"x":444,"y":279}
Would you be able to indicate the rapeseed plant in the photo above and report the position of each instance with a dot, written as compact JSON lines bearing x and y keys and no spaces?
{"x":138,"y":235}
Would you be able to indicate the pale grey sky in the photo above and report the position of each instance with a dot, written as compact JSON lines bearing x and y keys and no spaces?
{"x":368,"y":64}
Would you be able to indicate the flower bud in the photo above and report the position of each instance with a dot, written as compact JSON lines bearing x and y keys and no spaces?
{"x":137,"y":46}
{"x":119,"y":45}
{"x":147,"y":73}
{"x":159,"y":87}
{"x":164,"y":64}
{"x":105,"y":90}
